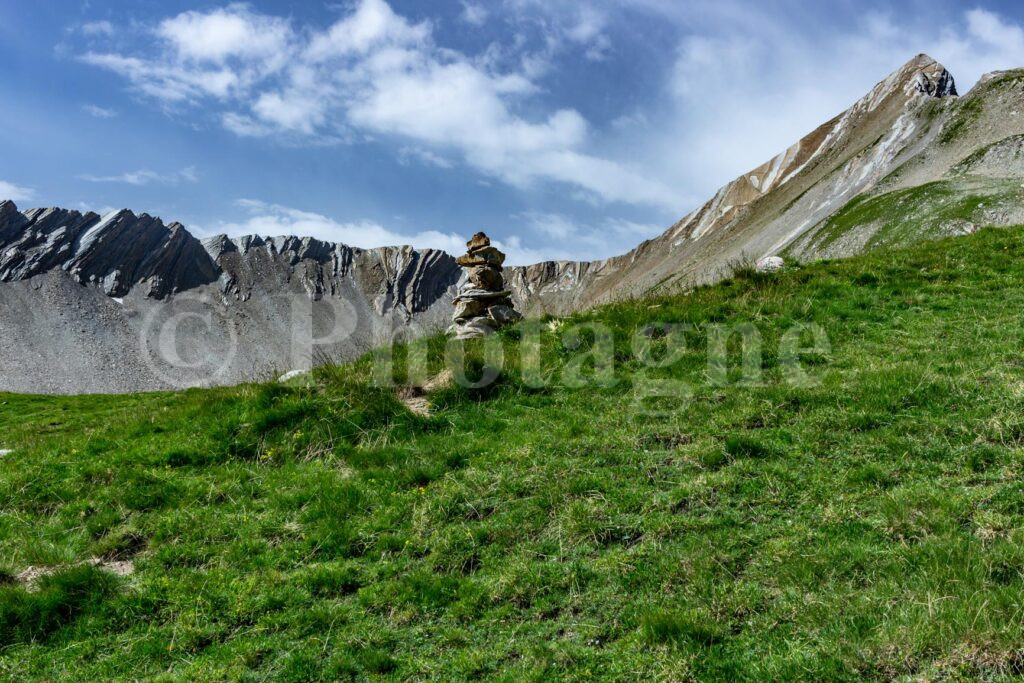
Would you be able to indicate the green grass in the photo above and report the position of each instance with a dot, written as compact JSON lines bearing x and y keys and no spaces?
{"x":908,"y":216}
{"x":1005,"y":80}
{"x":967,"y":111}
{"x":978,"y":155}
{"x":870,"y":526}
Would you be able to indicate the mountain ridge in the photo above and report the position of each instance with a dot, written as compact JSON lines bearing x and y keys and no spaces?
{"x":920,"y":77}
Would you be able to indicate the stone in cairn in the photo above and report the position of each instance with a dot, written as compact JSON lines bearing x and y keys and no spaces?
{"x":483,"y":305}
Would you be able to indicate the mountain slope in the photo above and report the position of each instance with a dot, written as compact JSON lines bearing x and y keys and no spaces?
{"x":868,"y":527}
{"x":912,"y":121}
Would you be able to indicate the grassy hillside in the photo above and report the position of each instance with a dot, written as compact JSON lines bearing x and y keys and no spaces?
{"x":908,"y":216}
{"x":870,"y":526}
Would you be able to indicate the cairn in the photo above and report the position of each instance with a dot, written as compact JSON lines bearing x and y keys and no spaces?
{"x":483,"y":305}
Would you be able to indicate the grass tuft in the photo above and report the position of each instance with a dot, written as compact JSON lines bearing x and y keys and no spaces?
{"x":674,"y":627}
{"x":58,"y":599}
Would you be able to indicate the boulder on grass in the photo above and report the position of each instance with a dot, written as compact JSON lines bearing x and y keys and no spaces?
{"x":769,"y":264}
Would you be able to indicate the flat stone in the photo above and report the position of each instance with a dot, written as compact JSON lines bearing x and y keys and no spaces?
{"x":473,"y":328}
{"x":485,"y":256}
{"x":475,"y":293}
{"x":503,"y":314}
{"x":486,"y":277}
{"x":478,"y":241}
{"x":469,"y":308}
{"x":5,"y":451}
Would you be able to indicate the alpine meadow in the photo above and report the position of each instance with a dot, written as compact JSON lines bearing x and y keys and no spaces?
{"x":435,"y":348}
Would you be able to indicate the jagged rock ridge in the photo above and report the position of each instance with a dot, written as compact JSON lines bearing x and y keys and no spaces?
{"x":117,"y":251}
{"x":87,"y":302}
{"x":121,"y":251}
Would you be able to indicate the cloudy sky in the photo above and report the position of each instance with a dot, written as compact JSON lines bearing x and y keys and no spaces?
{"x":565,"y":129}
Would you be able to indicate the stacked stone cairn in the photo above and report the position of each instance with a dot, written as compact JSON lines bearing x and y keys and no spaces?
{"x":483,"y":305}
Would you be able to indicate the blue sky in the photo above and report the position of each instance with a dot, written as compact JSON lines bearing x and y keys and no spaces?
{"x":563,"y":129}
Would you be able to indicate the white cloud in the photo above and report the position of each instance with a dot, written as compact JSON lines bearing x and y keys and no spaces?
{"x":635,"y":120}
{"x":520,"y":255}
{"x":555,"y":226}
{"x":16,"y":193}
{"x":145,"y":177}
{"x":408,"y":155}
{"x":567,"y":25}
{"x":372,"y":26}
{"x":473,"y":13}
{"x":97,"y":28}
{"x":99,"y":112}
{"x":168,"y":81}
{"x":748,"y":82}
{"x":219,"y":54}
{"x":101,"y":210}
{"x":991,"y":30}
{"x":588,"y":30}
{"x":566,"y":239}
{"x":290,"y":111}
{"x":375,"y":72}
{"x":244,"y":126}
{"x":234,"y":31}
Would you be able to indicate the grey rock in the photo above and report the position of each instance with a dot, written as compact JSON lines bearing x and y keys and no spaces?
{"x":769,"y":264}
{"x":473,"y":328}
{"x":502,"y":315}
{"x":124,"y":302}
{"x":117,"y":252}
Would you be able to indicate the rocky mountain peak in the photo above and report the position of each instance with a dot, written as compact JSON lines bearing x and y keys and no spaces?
{"x":921,"y":76}
{"x":928,"y":77}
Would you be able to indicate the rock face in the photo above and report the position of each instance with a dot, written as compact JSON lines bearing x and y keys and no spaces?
{"x":395,"y":280}
{"x":123,"y":302}
{"x":483,"y":305}
{"x":117,"y":252}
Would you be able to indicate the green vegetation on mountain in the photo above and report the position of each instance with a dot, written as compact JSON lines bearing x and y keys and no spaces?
{"x":966,"y":112}
{"x":908,"y":216}
{"x":867,"y":525}
{"x":976,"y":157}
